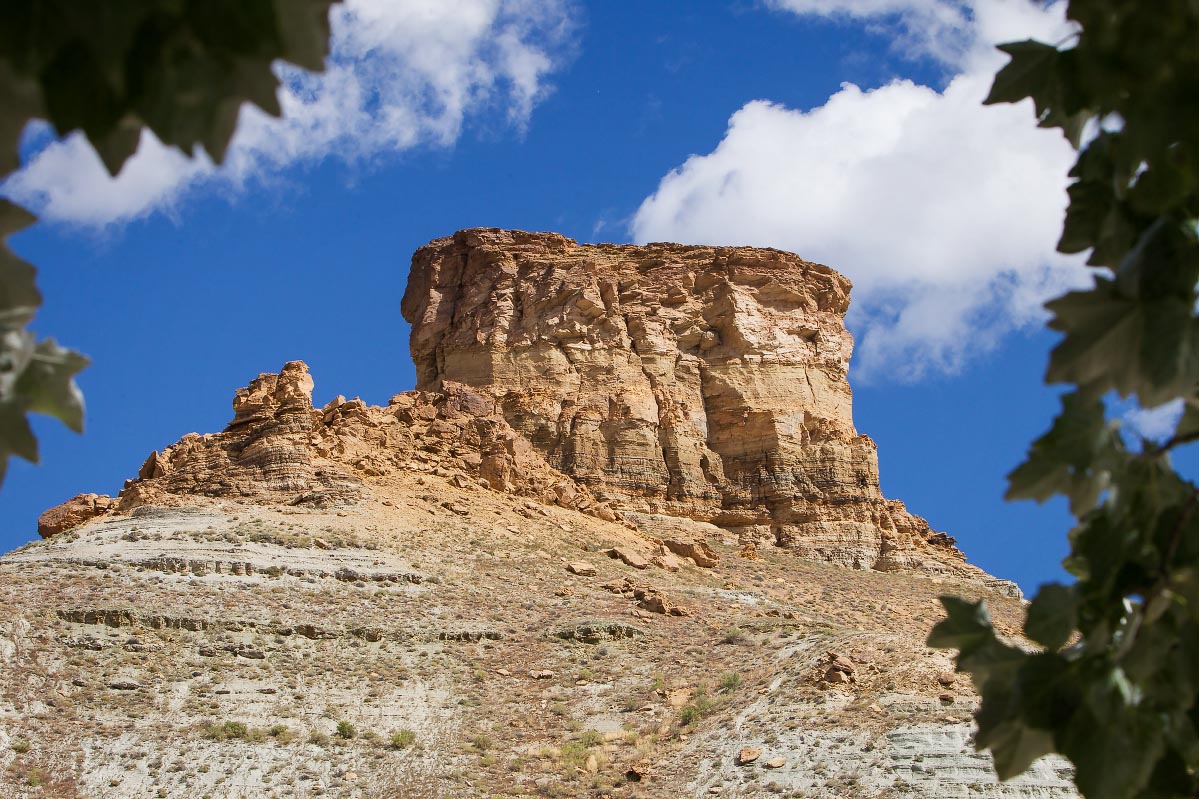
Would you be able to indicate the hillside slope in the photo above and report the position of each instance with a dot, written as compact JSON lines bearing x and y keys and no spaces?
{"x":429,"y":600}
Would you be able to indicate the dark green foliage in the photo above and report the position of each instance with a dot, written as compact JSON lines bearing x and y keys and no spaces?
{"x":1115,"y":683}
{"x":181,"y":68}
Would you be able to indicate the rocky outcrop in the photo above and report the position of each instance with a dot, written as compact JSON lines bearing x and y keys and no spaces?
{"x":267,"y":451}
{"x":75,"y":511}
{"x":699,"y":382}
{"x":279,"y":450}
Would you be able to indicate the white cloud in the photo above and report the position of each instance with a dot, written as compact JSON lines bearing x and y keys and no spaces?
{"x":944,"y":212}
{"x":938,"y":28}
{"x":1152,"y":424}
{"x":401,"y":75}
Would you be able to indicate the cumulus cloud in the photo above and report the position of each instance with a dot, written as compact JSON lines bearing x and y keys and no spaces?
{"x":943,"y":212}
{"x":401,"y":75}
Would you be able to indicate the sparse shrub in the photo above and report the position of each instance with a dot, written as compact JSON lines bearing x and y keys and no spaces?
{"x":482,"y":742}
{"x":345,"y":730}
{"x":20,"y":746}
{"x":701,"y":705}
{"x":229,"y":729}
{"x":281,"y":733}
{"x":730,"y":681}
{"x":401,"y":739}
{"x":732,"y":635}
{"x":319,"y":738}
{"x":591,"y":738}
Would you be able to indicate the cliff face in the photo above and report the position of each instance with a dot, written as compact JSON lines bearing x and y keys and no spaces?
{"x":699,"y":382}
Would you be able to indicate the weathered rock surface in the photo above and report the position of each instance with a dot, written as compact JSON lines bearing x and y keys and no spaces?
{"x":72,"y":513}
{"x":279,"y":450}
{"x":700,"y":382}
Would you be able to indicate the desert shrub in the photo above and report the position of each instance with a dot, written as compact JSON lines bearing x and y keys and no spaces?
{"x":591,"y":738}
{"x":281,"y":733}
{"x":401,"y":739}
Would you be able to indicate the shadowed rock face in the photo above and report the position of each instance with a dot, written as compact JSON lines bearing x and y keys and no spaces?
{"x":703,"y":382}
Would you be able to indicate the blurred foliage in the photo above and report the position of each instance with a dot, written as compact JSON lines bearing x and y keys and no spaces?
{"x":179,"y":68}
{"x":1112,"y":680}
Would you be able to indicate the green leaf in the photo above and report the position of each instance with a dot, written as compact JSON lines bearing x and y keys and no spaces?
{"x":19,"y":297}
{"x":1160,"y":188}
{"x":16,"y":437}
{"x":304,"y":31}
{"x":967,"y":625}
{"x":1052,"y":616}
{"x":1188,"y":423}
{"x":47,"y":385}
{"x":1136,"y":335}
{"x":1029,"y":71}
{"x":23,"y":102}
{"x":1114,"y":753}
{"x":1015,"y":746}
{"x":182,"y":68}
{"x":1017,"y":711}
{"x":1075,"y":458}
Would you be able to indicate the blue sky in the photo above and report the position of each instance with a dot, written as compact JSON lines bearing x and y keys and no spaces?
{"x":848,"y":131}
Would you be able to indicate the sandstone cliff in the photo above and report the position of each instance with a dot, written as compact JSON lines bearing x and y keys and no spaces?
{"x":565,"y":565}
{"x":700,"y":382}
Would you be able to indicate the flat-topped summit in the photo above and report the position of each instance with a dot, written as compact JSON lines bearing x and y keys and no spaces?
{"x":700,"y":382}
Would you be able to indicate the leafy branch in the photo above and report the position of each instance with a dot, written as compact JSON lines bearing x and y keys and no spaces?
{"x":1113,"y":679}
{"x":179,"y":68}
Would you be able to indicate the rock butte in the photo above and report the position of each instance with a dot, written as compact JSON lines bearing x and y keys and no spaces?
{"x":671,"y":386}
{"x":707,"y":383}
{"x":599,"y":551}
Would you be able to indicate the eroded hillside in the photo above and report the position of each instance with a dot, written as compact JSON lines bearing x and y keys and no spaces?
{"x":443,"y":598}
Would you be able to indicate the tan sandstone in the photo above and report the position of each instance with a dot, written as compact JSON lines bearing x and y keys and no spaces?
{"x":699,"y":382}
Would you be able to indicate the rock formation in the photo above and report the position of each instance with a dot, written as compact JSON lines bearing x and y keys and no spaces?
{"x":700,"y":382}
{"x":279,"y":450}
{"x":526,"y":577}
{"x":690,"y":390}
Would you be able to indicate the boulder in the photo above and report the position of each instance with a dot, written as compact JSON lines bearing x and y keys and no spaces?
{"x":75,"y":511}
{"x":747,"y":755}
